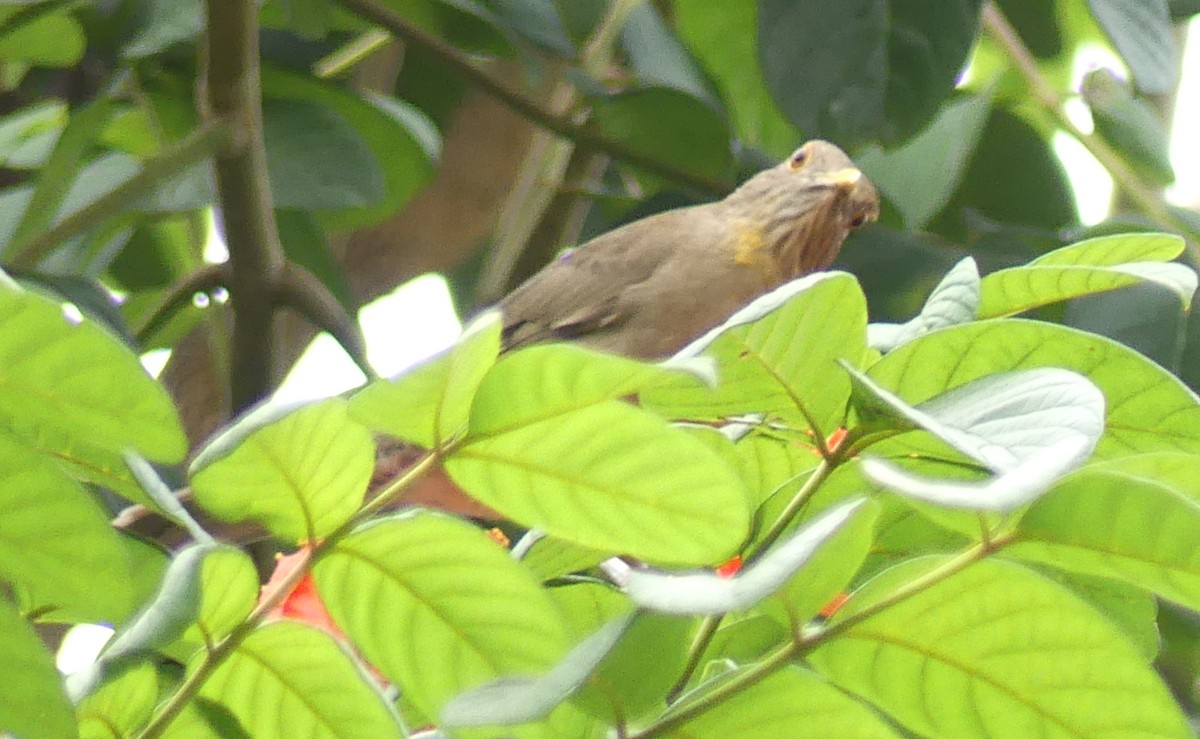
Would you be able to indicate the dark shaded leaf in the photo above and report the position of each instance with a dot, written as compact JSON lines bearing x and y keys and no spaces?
{"x":671,"y":126}
{"x":162,"y":23}
{"x":536,"y":20}
{"x":304,"y":242}
{"x":863,"y":69}
{"x":1129,"y":124}
{"x":1013,"y":178}
{"x":1141,"y":31}
{"x":316,"y":160}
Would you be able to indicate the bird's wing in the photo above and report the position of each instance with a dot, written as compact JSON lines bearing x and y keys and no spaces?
{"x":580,"y":293}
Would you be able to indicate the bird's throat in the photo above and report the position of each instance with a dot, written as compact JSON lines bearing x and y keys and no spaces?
{"x":752,"y":249}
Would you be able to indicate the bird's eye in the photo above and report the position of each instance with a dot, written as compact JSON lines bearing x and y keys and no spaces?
{"x":799,"y":159}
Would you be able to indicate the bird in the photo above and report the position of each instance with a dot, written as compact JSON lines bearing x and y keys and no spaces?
{"x":648,"y":288}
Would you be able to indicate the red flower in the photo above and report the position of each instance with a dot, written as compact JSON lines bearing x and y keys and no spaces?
{"x":304,"y":604}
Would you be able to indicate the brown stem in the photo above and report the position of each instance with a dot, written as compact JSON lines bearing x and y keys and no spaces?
{"x":232,"y":92}
{"x":299,"y":289}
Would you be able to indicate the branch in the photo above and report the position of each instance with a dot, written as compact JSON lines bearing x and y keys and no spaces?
{"x":298,"y":289}
{"x":179,"y":294}
{"x":204,"y":141}
{"x":273,"y":597}
{"x":232,"y":93}
{"x":786,"y":654}
{"x":1150,"y":203}
{"x":523,"y":104}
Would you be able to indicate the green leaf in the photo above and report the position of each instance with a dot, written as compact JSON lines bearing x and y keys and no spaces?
{"x":722,"y":36}
{"x":955,"y":300}
{"x":301,"y":477}
{"x":430,"y":404}
{"x":521,"y":699}
{"x":633,"y":677}
{"x":45,"y":40}
{"x":658,"y":58}
{"x":1147,"y":408}
{"x":588,"y":604}
{"x":56,"y":547}
{"x":228,"y":591}
{"x":670,"y":126}
{"x":58,"y":173}
{"x":1141,"y":31}
{"x":156,"y":254}
{"x":1086,"y":268}
{"x":437,"y":606}
{"x":1002,"y":493}
{"x":316,"y":160}
{"x":399,"y":138}
{"x":163,"y":23}
{"x":1106,"y":521}
{"x":549,"y":557}
{"x":995,"y":650}
{"x":919,"y":176}
{"x":774,"y":469}
{"x":121,"y":706}
{"x":829,"y":571}
{"x":34,"y":705}
{"x":740,"y":641}
{"x":863,"y":69}
{"x":173,"y":608}
{"x":711,"y":594}
{"x":21,"y":128}
{"x":107,"y":401}
{"x":1014,"y":177}
{"x":162,"y":498}
{"x":1131,"y":125}
{"x":790,"y":698}
{"x":1001,"y":420}
{"x":87,"y":462}
{"x":313,"y":687}
{"x":1183,"y":9}
{"x":536,"y":20}
{"x":539,"y":382}
{"x":611,"y":477}
{"x":777,"y":356}
{"x":304,"y":243}
{"x":1130,"y":608}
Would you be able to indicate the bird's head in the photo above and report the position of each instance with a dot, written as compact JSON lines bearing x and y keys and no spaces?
{"x":804,"y":207}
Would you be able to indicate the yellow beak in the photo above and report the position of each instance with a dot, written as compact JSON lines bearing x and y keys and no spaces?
{"x":843,"y":179}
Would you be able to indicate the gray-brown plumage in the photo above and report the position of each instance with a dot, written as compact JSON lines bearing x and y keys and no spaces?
{"x":650,"y":287}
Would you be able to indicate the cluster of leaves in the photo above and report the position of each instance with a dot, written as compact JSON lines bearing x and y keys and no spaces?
{"x":1044,"y":496}
{"x":1033,"y":611}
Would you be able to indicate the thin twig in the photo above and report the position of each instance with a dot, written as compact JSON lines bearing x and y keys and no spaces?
{"x":522,"y":103}
{"x":786,"y":654}
{"x":213,"y":659}
{"x":209,"y":139}
{"x":179,"y":294}
{"x":299,"y":289}
{"x":272,"y":598}
{"x":1151,"y":204}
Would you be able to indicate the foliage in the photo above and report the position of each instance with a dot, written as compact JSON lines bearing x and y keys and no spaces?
{"x":872,"y":503}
